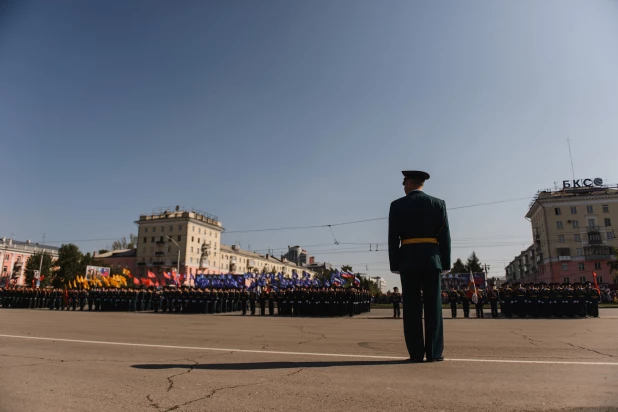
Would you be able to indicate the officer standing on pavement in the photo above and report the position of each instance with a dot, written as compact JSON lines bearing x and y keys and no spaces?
{"x":419,"y":246}
{"x":453,"y":297}
{"x":492,"y":296}
{"x":396,"y":301}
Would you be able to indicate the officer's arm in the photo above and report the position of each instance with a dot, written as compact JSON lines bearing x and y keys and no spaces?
{"x":393,"y":240}
{"x":444,"y":239}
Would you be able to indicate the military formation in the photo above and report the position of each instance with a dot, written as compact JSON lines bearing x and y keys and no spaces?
{"x":302,"y":301}
{"x":542,"y":300}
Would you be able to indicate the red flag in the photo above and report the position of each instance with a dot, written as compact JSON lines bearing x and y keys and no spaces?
{"x":136,"y":281}
{"x":151,"y":275}
{"x":596,"y":285}
{"x":167,"y":275}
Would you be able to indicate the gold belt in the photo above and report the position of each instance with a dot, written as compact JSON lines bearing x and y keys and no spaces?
{"x":419,"y":240}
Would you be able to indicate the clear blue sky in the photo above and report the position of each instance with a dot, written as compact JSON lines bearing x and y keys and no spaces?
{"x":280,"y":113}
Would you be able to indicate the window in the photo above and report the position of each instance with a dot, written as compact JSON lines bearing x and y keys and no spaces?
{"x":199,"y":230}
{"x":179,"y":238}
{"x":560,"y":238}
{"x":589,"y":209}
{"x":162,"y":229}
{"x":191,"y":249}
{"x":605,"y":208}
{"x":573,"y":210}
{"x":193,"y":228}
{"x":565,"y":266}
{"x":145,"y":230}
{"x":559,"y":225}
{"x":578,"y":238}
{"x":152,"y":239}
{"x":566,"y":280}
{"x":575,"y":224}
{"x":198,"y":240}
{"x":597,"y":265}
{"x":558,"y":212}
{"x":192,"y":239}
{"x":608,"y":221}
{"x":582,"y":279}
{"x":180,"y":228}
{"x":191,"y":260}
{"x":610,"y":235}
{"x":591,"y":223}
{"x":579,"y":252}
{"x":600,"y":279}
{"x":171,"y":228}
{"x":154,"y":229}
{"x":145,"y":240}
{"x":580,"y":266}
{"x":169,"y":249}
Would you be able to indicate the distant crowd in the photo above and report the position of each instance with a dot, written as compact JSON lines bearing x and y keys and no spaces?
{"x":300,"y":301}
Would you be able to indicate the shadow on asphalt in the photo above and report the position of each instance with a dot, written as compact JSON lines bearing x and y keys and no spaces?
{"x":267,"y":365}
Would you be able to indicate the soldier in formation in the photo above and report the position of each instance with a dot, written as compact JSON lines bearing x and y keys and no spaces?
{"x":542,"y":300}
{"x":299,"y":301}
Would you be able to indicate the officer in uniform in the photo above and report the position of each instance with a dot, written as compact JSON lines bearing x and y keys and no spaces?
{"x":419,"y":247}
{"x":492,"y":296}
{"x":453,"y":298}
{"x":396,"y":301}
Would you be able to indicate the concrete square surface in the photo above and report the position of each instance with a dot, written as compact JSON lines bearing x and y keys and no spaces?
{"x":81,"y":361}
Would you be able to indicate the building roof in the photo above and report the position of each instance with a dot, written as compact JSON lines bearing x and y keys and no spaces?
{"x":120,"y":253}
{"x":5,"y":241}
{"x":566,"y":195}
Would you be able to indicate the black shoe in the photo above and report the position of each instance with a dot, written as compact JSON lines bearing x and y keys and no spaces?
{"x":435,"y":359}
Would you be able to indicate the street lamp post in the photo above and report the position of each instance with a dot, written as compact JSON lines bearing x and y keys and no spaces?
{"x":178,"y":261}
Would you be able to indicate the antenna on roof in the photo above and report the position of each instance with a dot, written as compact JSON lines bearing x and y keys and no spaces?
{"x":571,"y":156}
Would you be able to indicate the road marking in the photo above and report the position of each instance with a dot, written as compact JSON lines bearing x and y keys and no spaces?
{"x":272,"y":352}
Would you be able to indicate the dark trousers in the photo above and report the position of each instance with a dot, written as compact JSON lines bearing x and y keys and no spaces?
{"x":466,"y":309}
{"x":396,"y":310}
{"x":454,"y":309}
{"x":479,"y":310}
{"x":494,"y":308}
{"x":432,"y":344}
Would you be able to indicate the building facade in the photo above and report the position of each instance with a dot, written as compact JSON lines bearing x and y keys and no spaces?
{"x":573,"y":233}
{"x":119,"y":259}
{"x":524,"y":267}
{"x":14,"y":255}
{"x":297,"y":255}
{"x":190,"y":240}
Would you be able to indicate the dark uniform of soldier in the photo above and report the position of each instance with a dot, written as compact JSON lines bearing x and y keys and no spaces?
{"x":492,"y":296}
{"x":465,"y":302}
{"x":419,"y":246}
{"x":396,"y":301}
{"x":453,"y":298}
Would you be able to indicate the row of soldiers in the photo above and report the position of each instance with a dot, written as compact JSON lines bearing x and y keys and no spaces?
{"x":301,"y":301}
{"x":542,"y":300}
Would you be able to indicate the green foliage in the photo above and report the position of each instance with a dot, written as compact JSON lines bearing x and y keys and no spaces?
{"x":33,"y":264}
{"x":473,"y":264}
{"x":459,"y":267}
{"x":69,"y":264}
{"x":124,"y":243}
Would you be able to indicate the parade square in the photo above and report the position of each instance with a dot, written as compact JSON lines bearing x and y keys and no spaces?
{"x":83,"y":361}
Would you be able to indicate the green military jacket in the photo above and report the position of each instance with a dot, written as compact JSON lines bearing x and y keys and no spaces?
{"x":418,"y":215}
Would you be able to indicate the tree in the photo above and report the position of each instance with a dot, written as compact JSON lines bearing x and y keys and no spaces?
{"x":459,"y":267}
{"x":346,"y":268}
{"x":33,"y":264}
{"x":124,"y":244}
{"x":101,"y":251}
{"x":69,"y":263}
{"x":473,"y":264}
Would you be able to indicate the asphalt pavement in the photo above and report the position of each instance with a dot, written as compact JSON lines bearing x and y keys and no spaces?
{"x":81,"y":361}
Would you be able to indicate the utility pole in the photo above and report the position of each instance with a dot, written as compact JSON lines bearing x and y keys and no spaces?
{"x":486,"y":267}
{"x":42,"y":254}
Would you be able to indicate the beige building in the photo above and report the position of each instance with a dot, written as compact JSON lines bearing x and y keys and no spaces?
{"x":524,"y":267}
{"x":191,"y":240}
{"x":573,"y":233}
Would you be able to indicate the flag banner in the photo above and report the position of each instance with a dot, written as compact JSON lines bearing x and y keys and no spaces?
{"x":93,"y":271}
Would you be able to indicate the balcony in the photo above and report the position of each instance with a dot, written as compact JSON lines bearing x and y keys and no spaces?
{"x":159,"y":253}
{"x":594,"y":236}
{"x":160,"y":243}
{"x":564,"y":254}
{"x":599,"y":252}
{"x":158,"y":262}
